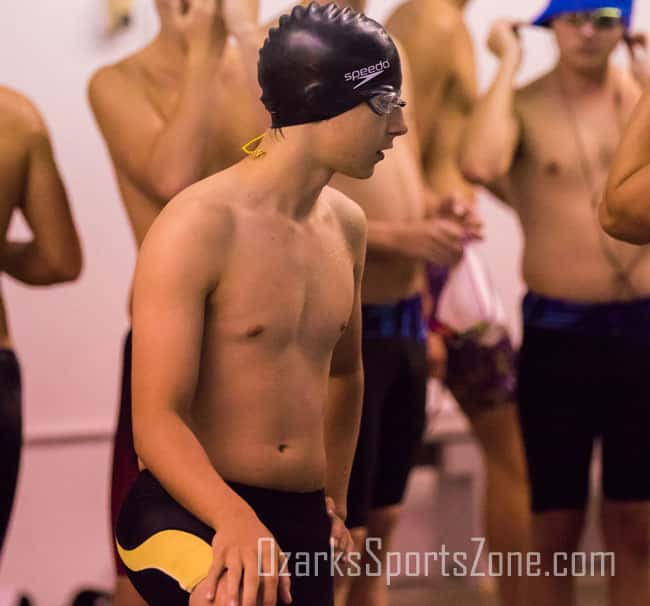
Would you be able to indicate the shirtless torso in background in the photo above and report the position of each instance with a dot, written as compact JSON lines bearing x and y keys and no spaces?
{"x":171,"y":101}
{"x":556,"y":180}
{"x":547,"y":188}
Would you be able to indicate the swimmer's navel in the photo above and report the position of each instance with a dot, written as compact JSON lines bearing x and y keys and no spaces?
{"x":282,"y":447}
{"x":255,"y":331}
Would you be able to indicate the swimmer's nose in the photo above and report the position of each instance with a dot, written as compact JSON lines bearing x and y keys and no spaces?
{"x":397,"y":125}
{"x":588,"y":30}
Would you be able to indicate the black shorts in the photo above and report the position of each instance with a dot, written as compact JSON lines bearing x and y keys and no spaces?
{"x":125,"y":461}
{"x":394,"y":403}
{"x":583,"y":375}
{"x":10,"y":435}
{"x":167,"y":551}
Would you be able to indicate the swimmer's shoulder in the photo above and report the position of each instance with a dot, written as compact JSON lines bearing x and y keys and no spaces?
{"x":438,"y":22}
{"x":350,"y":216}
{"x":435,"y":16}
{"x":202,"y":212}
{"x":18,"y":114}
{"x":126,"y":73}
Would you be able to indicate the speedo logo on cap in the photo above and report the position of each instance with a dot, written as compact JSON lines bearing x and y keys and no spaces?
{"x":368,"y":73}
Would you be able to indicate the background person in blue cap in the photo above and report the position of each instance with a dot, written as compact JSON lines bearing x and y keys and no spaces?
{"x":621,"y":9}
{"x":546,"y":149}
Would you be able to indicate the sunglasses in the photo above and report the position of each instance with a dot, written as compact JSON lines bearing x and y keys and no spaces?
{"x":602,"y":19}
{"x":385,"y":104}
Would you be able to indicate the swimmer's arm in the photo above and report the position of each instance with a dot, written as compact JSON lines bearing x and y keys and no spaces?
{"x":491,"y":138}
{"x":460,"y":98}
{"x":625,"y":211}
{"x":53,"y":255}
{"x":345,"y":393}
{"x":173,"y":280}
{"x":162,"y":157}
{"x":241,"y":18}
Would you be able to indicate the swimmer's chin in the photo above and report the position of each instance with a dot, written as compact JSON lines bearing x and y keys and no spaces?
{"x":361,"y":171}
{"x":366,"y":172}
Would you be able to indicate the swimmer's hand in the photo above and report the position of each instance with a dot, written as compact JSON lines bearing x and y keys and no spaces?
{"x":340,"y":538}
{"x":437,"y":241}
{"x":504,"y":41}
{"x":198,"y":24}
{"x":241,"y":16}
{"x":463,"y":212}
{"x":639,"y":53}
{"x":249,"y":561}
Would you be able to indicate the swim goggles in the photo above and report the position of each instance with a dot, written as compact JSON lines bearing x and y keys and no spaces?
{"x":385,"y":103}
{"x":602,"y":19}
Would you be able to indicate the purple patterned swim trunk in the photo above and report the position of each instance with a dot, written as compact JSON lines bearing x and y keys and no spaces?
{"x":480,"y":377}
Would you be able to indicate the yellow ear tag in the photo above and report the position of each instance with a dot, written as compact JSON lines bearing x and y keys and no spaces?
{"x":254,"y":154}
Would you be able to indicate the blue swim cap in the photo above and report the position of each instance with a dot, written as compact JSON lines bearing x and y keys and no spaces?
{"x":557,"y":7}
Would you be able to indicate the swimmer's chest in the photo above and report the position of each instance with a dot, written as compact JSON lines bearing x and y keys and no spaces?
{"x":286,"y":287}
{"x":563,"y":161}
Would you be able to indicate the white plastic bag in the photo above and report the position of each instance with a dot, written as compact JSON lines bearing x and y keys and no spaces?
{"x":469,"y":303}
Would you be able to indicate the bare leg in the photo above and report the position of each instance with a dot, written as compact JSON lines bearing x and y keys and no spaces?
{"x":343,"y":585}
{"x":554,"y":532}
{"x":626,"y":528}
{"x":125,"y":594}
{"x":506,"y":506}
{"x":373,"y":590}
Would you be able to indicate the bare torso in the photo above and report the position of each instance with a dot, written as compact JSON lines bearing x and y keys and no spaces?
{"x":394,"y":193}
{"x":13,"y":173}
{"x":564,"y":254}
{"x":283,"y":301}
{"x":233,"y":122}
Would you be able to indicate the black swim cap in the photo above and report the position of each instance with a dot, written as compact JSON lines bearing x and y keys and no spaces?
{"x":322,"y":61}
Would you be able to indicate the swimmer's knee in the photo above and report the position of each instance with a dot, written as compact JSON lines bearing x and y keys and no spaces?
{"x":359,"y":536}
{"x":382,"y":522}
